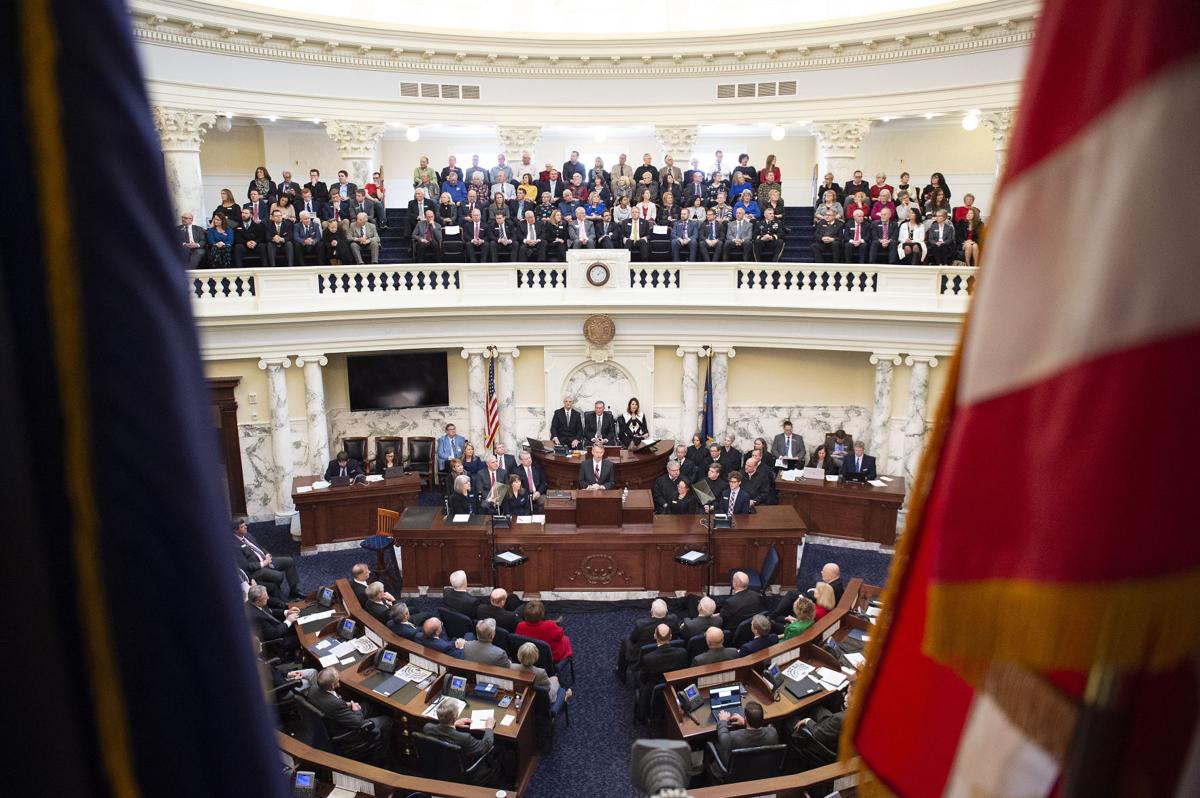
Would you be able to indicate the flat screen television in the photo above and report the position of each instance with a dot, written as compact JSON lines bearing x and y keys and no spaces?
{"x":397,"y":381}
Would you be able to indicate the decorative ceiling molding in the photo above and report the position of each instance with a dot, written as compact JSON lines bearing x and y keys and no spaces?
{"x":1000,"y":25}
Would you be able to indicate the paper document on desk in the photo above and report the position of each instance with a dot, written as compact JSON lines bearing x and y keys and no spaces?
{"x":480,"y":717}
{"x":304,"y":489}
{"x":507,"y":720}
{"x":413,"y":673}
{"x":341,"y":792}
{"x":831,"y":678}
{"x":798,"y":670}
{"x":831,"y":478}
{"x":315,"y":616}
{"x":461,"y":518}
{"x":857,"y":660}
{"x":873,"y":611}
{"x":879,"y":483}
{"x":791,"y":475}
{"x":344,"y":649}
{"x":374,"y":477}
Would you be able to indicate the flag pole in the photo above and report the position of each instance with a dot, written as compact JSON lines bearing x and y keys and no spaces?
{"x":1094,"y":758}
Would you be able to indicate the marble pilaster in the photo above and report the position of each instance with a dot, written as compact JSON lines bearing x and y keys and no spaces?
{"x":476,"y":395}
{"x":180,"y":132}
{"x":689,"y":421}
{"x":918,"y":412}
{"x":357,"y":143}
{"x":881,"y":416}
{"x":314,"y":408}
{"x":515,"y":140}
{"x":281,"y":437}
{"x":1000,"y":123}
{"x":720,"y":387}
{"x":506,"y":397}
{"x":837,"y":145}
{"x":678,"y":141}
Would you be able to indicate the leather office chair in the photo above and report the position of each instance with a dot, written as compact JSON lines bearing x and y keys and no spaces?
{"x":379,"y":543}
{"x":356,"y":449}
{"x":544,"y":661}
{"x":547,"y":713}
{"x":761,"y":579}
{"x":742,"y":634}
{"x":453,"y":247}
{"x":420,"y":459}
{"x":315,"y":733}
{"x":455,"y":623}
{"x":744,"y":764}
{"x":696,"y":645}
{"x":443,"y":760}
{"x":382,"y":444}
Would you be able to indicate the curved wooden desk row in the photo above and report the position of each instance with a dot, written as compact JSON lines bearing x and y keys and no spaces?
{"x":406,"y":707}
{"x":632,"y":469}
{"x":748,"y":670}
{"x":792,"y":786}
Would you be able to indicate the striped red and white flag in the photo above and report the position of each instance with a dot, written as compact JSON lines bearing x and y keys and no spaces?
{"x":491,"y":407}
{"x":1051,"y":532}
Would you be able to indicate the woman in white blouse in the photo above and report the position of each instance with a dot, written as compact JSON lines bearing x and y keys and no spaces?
{"x":910,"y":243}
{"x":646,"y":209}
{"x":622,"y":212}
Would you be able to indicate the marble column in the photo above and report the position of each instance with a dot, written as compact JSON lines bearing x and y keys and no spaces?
{"x":476,"y":394}
{"x":720,"y":387}
{"x":918,"y":413}
{"x":678,"y":141}
{"x":314,"y":407}
{"x":689,"y":422}
{"x":180,"y":132}
{"x":506,"y":385}
{"x":357,"y":143}
{"x":881,"y":417}
{"x":1000,"y":123}
{"x":517,"y":140}
{"x":837,"y":145}
{"x":281,"y":436}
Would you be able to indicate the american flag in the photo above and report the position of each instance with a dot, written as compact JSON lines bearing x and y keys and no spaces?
{"x":491,"y":407}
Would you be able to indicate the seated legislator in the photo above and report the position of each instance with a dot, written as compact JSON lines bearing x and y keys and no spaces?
{"x":495,"y":609}
{"x":641,"y":634}
{"x":751,"y":731}
{"x":631,"y":425}
{"x":599,"y":427}
{"x":455,"y":730}
{"x":566,"y":425}
{"x":272,"y":624}
{"x":360,"y":580}
{"x":527,"y":657}
{"x":606,"y":230}
{"x":517,"y":501}
{"x":742,"y":603}
{"x":684,"y":234}
{"x":821,"y":459}
{"x":665,"y":657}
{"x":717,"y":651}
{"x":859,"y":463}
{"x":374,"y":744}
{"x":857,"y":238}
{"x":533,"y":480}
{"x":427,"y":240}
{"x":400,"y":621}
{"x":482,"y":649}
{"x":433,"y":635}
{"x":635,"y":236}
{"x":343,"y":466}
{"x":803,"y":616}
{"x":596,"y":473}
{"x":487,"y":486}
{"x":827,"y":239}
{"x":456,"y":596}
{"x":665,"y":490}
{"x":823,"y":600}
{"x":739,"y":236}
{"x":476,"y":240}
{"x":581,"y":233}
{"x":736,"y":500}
{"x":377,"y":602}
{"x":706,"y":618}
{"x":760,"y":625}
{"x":502,"y":238}
{"x":789,"y":446}
{"x":831,"y":574}
{"x":534,"y":624}
{"x":264,"y":567}
{"x":685,"y":501}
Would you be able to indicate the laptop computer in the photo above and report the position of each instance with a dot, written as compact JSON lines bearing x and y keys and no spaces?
{"x":814,"y":473}
{"x":535,"y":445}
{"x":340,"y":482}
{"x":726,"y":699}
{"x":393,"y":472}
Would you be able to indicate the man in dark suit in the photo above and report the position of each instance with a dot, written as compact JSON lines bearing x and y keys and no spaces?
{"x":342,"y":466}
{"x":452,"y":729}
{"x":288,"y":187}
{"x":856,"y":238}
{"x":859,"y":463}
{"x":827,"y":238}
{"x":318,"y":211}
{"x":759,"y":483}
{"x":566,"y":425}
{"x":376,"y":604}
{"x":400,"y":621}
{"x":839,"y":444}
{"x":831,"y":573}
{"x":360,"y":580}
{"x":456,"y":596}
{"x":717,"y":651}
{"x":596,"y":473}
{"x":279,"y":239}
{"x":272,"y":624}
{"x":262,"y":566}
{"x":476,"y":240}
{"x":635,"y":236}
{"x":249,"y":238}
{"x":343,"y":186}
{"x":306,"y":240}
{"x":502,"y":238}
{"x":706,"y":618}
{"x":711,"y":236}
{"x":760,"y":625}
{"x":715,"y":484}
{"x":259,"y":207}
{"x":553,"y":186}
{"x":641,"y":634}
{"x":742,"y":603}
{"x":606,"y":231}
{"x":856,"y":185}
{"x":488,"y":476}
{"x":531,"y":246}
{"x":494,"y":609}
{"x":825,"y":725}
{"x":683,"y":237}
{"x":320,"y":191}
{"x":883,"y":238}
{"x":736,"y":501}
{"x":687,"y":468}
{"x":734,"y":731}
{"x":507,"y":463}
{"x":434,"y":636}
{"x":666,"y":488}
{"x":192,"y":243}
{"x":417,"y":207}
{"x":598,"y":424}
{"x":665,"y":657}
{"x":343,"y":716}
{"x":533,"y":478}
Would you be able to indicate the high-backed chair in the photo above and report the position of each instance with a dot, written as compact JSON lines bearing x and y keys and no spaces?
{"x":382,"y":444}
{"x":379,"y":543}
{"x":420,"y":459}
{"x":444,"y":760}
{"x":547,"y":713}
{"x":455,"y":623}
{"x":758,"y":762}
{"x":760,"y":579}
{"x":356,"y":449}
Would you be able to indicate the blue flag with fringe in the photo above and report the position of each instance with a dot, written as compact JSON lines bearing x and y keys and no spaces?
{"x":706,"y":428}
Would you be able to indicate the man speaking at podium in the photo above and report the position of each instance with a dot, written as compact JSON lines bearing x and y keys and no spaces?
{"x":598,"y":426}
{"x":596,"y":473}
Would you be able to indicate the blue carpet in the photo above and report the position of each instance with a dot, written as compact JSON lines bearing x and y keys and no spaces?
{"x":590,"y":758}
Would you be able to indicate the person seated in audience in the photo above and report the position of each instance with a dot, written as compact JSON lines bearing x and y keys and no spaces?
{"x":517,"y":499}
{"x":501,"y":172}
{"x":455,"y":730}
{"x":646,"y":169}
{"x":534,"y":624}
{"x":578,"y":190}
{"x":939,"y":202}
{"x":645,"y":208}
{"x":260,"y":207}
{"x":714,"y":484}
{"x":306,"y":240}
{"x":433,"y":635}
{"x":263,"y":184}
{"x":343,"y":185}
{"x":856,"y":185}
{"x":482,"y":650}
{"x":495,"y":608}
{"x":423,"y":172}
{"x":362,"y":202}
{"x":219,"y":240}
{"x":500,"y":236}
{"x":427,"y":240}
{"x":316,"y":210}
{"x":598,"y":172}
{"x":742,"y":603}
{"x":747,"y":203}
{"x":910,"y":241}
{"x":599,"y":426}
{"x":279,"y":239}
{"x":400,"y":621}
{"x":530,"y":246}
{"x":721,"y":208}
{"x":475,"y":171}
{"x":552,"y":187}
{"x":940,"y":239}
{"x":883,"y":238}
{"x":284,"y":205}
{"x":768,"y":237}
{"x":340,"y":209}
{"x":641,"y":634}
{"x":687,"y":466}
{"x":527,"y":188}
{"x":475,"y":239}
{"x":341,"y":716}
{"x":556,"y":235}
{"x":736,"y":501}
{"x":711,"y":235}
{"x":597,"y":203}
{"x":262,"y":566}
{"x":821,"y":459}
{"x":759,"y":483}
{"x":572,"y":167}
{"x":662,"y":658}
{"x":823,"y":600}
{"x":447,"y":210}
{"x":858,"y":202}
{"x":457,"y":597}
{"x":669,"y":185}
{"x":936,"y":181}
{"x":802,"y":617}
{"x":760,"y":626}
{"x":378,"y":192}
{"x":828,"y":203}
{"x":903,"y":185}
{"x":459,"y":502}
{"x":527,"y":657}
{"x":859,"y":463}
{"x":879,"y":186}
{"x":454,"y":469}
{"x":825,"y":726}
{"x":760,"y":451}
{"x":695,"y":189}
{"x":827,"y":185}
{"x":634,"y":235}
{"x":884,"y":202}
{"x":621,"y":169}
{"x":775,"y":202}
{"x":377,"y":602}
{"x":472,"y":464}
{"x":665,"y":489}
{"x":228,"y":208}
{"x":827,"y":238}
{"x":670,"y":172}
{"x":961,"y":211}
{"x":684,"y":502}
{"x":490,"y":485}
{"x":523,"y":203}
{"x":622,"y":189}
{"x":717,"y":651}
{"x":545,"y":206}
{"x":569,"y":203}
{"x":751,"y":731}
{"x":360,"y":580}
{"x":668,"y":211}
{"x":193,"y":241}
{"x":706,"y":618}
{"x":335,"y":242}
{"x":273,"y":624}
{"x":831,"y":574}
{"x":765,"y":187}
{"x":581,"y":233}
{"x":739,"y":236}
{"x":694,"y":165}
{"x":606,"y":231}
{"x":683,"y":235}
{"x":739,"y":185}
{"x":342,"y":465}
{"x":969,"y":233}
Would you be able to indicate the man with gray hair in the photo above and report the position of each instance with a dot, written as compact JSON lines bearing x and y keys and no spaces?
{"x":706,"y":618}
{"x":455,"y":730}
{"x":364,"y":235}
{"x":456,"y":596}
{"x":376,"y":604}
{"x":666,"y":487}
{"x":566,"y":426}
{"x":271,"y":624}
{"x":481,"y":649}
{"x":687,"y":467}
{"x":371,"y":745}
{"x":496,"y":609}
{"x":641,"y":634}
{"x":306,"y":240}
{"x":488,"y":477}
{"x":400,"y":621}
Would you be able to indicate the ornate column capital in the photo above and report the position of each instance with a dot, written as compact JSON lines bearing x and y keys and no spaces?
{"x":728,"y":351}
{"x":1000,"y":122}
{"x":841,"y":138}
{"x":928,"y":360}
{"x":354,"y":139}
{"x":181,"y":129}
{"x":478,"y":351}
{"x":881,"y":357}
{"x":320,"y":360}
{"x":676,"y":141}
{"x":680,"y":351}
{"x":517,"y":139}
{"x":268,"y":362}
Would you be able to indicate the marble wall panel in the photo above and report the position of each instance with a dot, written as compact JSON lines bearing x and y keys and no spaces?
{"x":607,"y":382}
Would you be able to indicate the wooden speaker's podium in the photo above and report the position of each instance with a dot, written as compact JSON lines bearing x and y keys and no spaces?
{"x":592,"y":509}
{"x":598,"y":508}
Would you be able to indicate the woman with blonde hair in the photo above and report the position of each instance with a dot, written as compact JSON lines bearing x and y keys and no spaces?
{"x":801,"y":618}
{"x":823,"y":598}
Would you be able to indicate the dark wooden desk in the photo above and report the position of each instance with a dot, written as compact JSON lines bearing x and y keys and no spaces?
{"x":792,"y":786}
{"x":635,"y":469}
{"x":855,"y":511}
{"x":637,"y":556}
{"x":331,"y":515}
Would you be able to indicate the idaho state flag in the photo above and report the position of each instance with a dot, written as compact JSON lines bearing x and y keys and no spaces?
{"x":132,"y":672}
{"x":1052,"y":535}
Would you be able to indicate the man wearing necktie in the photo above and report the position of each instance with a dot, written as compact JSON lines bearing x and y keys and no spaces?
{"x":566,"y":425}
{"x":856,"y":239}
{"x":534,"y":479}
{"x":710,"y":237}
{"x":279,"y":238}
{"x":604,"y":231}
{"x":738,"y":238}
{"x":306,"y":240}
{"x":477,"y":239}
{"x":737,"y":501}
{"x":683,"y":237}
{"x":788,"y":445}
{"x":486,"y":479}
{"x":501,"y":236}
{"x":263,"y":567}
{"x":596,"y":473}
{"x":581,"y":232}
{"x":859,"y":465}
{"x":191,"y":241}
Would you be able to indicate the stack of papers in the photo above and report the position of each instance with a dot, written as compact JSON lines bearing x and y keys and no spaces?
{"x":480,"y":717}
{"x":798,"y":670}
{"x":320,"y":484}
{"x":832,"y":679}
{"x":374,"y":477}
{"x":531,"y":519}
{"x":304,"y":489}
{"x":791,"y":475}
{"x":879,"y":483}
{"x":831,"y":478}
{"x":461,"y":518}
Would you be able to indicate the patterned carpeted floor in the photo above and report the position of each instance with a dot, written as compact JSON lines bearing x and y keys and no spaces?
{"x":590,"y":758}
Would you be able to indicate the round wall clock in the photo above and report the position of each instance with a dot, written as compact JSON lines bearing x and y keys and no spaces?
{"x":597,"y":273}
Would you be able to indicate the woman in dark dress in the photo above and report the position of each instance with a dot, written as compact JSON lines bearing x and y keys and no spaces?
{"x":387,"y":461}
{"x":821,"y":459}
{"x":517,"y":500}
{"x":631,"y":426}
{"x":220,"y":242}
{"x":454,"y":468}
{"x":686,"y":502}
{"x":556,"y":235}
{"x":228,"y":209}
{"x":460,"y":499}
{"x":263,"y":184}
{"x":697,"y":452}
{"x":471,"y":464}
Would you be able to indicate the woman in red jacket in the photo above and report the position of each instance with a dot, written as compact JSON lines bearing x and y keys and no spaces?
{"x":770,"y":169}
{"x":534,"y":625}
